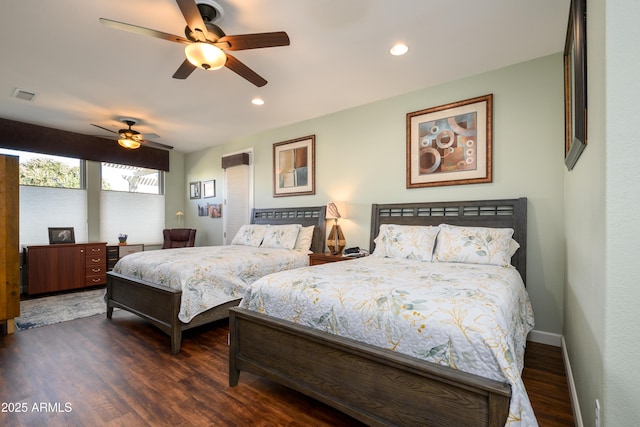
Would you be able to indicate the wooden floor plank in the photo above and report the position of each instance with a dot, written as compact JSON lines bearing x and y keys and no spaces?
{"x":121,"y":373}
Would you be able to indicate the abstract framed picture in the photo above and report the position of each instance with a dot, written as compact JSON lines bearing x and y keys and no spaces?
{"x":61,"y":235}
{"x":209,"y":189}
{"x":294,"y":167}
{"x":575,"y":85}
{"x":194,"y":190}
{"x":450,"y":144}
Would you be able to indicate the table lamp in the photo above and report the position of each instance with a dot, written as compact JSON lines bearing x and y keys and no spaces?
{"x":335,"y":241}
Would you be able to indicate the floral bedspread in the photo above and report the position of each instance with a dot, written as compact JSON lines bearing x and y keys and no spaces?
{"x":470,"y":317}
{"x":210,"y":275}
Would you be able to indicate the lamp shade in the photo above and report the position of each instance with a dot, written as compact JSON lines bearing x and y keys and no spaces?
{"x":336,"y":210}
{"x":129,"y":143}
{"x":336,"y":241}
{"x":205,"y":55}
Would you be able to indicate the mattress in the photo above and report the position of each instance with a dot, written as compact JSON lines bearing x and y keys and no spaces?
{"x":470,"y":317}
{"x":208,"y":276}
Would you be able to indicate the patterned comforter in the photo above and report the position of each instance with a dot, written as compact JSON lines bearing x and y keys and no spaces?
{"x":470,"y":317}
{"x":208,"y":276}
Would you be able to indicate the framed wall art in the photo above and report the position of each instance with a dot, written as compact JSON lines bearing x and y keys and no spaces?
{"x":194,"y":190}
{"x":575,"y":84}
{"x":294,"y":167}
{"x":209,"y":189}
{"x":450,"y":144}
{"x":61,"y":235}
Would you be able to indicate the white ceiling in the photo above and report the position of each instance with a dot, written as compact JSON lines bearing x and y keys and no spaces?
{"x":84,"y":72}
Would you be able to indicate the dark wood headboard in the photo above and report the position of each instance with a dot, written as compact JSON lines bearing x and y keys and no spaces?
{"x":506,"y":213}
{"x":305,"y":215}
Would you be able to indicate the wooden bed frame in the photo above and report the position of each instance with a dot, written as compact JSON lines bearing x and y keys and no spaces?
{"x":160,"y":305}
{"x":375,"y":385}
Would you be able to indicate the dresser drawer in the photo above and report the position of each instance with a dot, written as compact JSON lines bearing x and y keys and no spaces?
{"x":100,"y":279}
{"x":93,"y":270}
{"x":99,"y":260}
{"x":96,"y":250}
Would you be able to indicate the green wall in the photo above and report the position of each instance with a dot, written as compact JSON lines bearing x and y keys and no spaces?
{"x":360,"y":159}
{"x":602,"y":225}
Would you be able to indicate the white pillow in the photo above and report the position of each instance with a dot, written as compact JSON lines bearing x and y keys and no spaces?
{"x":305,"y":238}
{"x":250,"y":235}
{"x":513,"y":248}
{"x":406,"y":241}
{"x":474,"y":245}
{"x":281,"y":236}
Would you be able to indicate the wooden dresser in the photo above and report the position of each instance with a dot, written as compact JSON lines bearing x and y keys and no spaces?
{"x":52,"y":268}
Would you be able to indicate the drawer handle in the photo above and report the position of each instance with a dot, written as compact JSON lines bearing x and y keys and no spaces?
{"x":95,"y":249}
{"x":96,"y":270}
{"x":95,"y":259}
{"x":95,"y":280}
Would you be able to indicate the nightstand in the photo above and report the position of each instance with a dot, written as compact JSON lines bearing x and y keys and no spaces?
{"x":317,"y":259}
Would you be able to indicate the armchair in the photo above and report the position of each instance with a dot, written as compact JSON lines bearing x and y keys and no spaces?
{"x":178,"y":238}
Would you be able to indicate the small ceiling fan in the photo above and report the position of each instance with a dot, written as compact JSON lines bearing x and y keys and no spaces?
{"x":207,"y":43}
{"x":132,"y":139}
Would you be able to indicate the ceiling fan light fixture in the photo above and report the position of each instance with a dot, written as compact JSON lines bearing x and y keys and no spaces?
{"x":205,"y":56}
{"x":129,"y":143}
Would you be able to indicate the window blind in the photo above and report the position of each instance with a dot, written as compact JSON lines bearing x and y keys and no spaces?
{"x":44,"y":207}
{"x":138,"y":215}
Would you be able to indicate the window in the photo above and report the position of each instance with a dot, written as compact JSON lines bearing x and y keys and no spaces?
{"x":132,"y":203}
{"x":43,"y":170}
{"x":131,"y":179}
{"x":52,"y":194}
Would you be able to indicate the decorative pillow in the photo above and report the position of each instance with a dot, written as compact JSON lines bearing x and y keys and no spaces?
{"x":406,"y":241}
{"x":250,"y":235}
{"x":281,"y":236}
{"x":513,"y":248}
{"x":474,"y":245}
{"x":305,"y":238}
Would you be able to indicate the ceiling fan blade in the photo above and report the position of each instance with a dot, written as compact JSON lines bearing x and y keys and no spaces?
{"x":194,"y":20}
{"x":143,"y":31}
{"x":156,"y":145}
{"x":103,"y":128}
{"x":242,"y":70}
{"x":256,"y":41}
{"x":185,"y":70}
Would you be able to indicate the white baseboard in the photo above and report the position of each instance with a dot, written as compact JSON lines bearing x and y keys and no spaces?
{"x":545,"y":338}
{"x":577,"y":415}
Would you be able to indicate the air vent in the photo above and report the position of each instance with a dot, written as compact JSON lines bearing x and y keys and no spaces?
{"x":25,"y":95}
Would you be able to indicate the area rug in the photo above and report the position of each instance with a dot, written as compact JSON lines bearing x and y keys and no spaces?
{"x":60,"y":308}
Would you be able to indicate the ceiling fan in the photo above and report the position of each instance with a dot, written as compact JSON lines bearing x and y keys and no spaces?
{"x":207,"y":43}
{"x":132,"y":139}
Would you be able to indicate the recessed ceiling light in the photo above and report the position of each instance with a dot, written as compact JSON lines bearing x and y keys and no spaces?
{"x":399,"y":49}
{"x":257,"y":101}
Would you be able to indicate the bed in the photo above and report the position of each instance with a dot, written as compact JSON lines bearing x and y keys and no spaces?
{"x":161,"y":304}
{"x":372,"y":383}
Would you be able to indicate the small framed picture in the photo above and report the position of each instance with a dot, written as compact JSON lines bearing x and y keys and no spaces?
{"x":194,"y":190}
{"x":61,"y":235}
{"x":575,"y":85}
{"x":294,"y":164}
{"x":209,"y":189}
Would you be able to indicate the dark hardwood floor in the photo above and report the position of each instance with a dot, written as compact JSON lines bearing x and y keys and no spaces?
{"x":96,"y":372}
